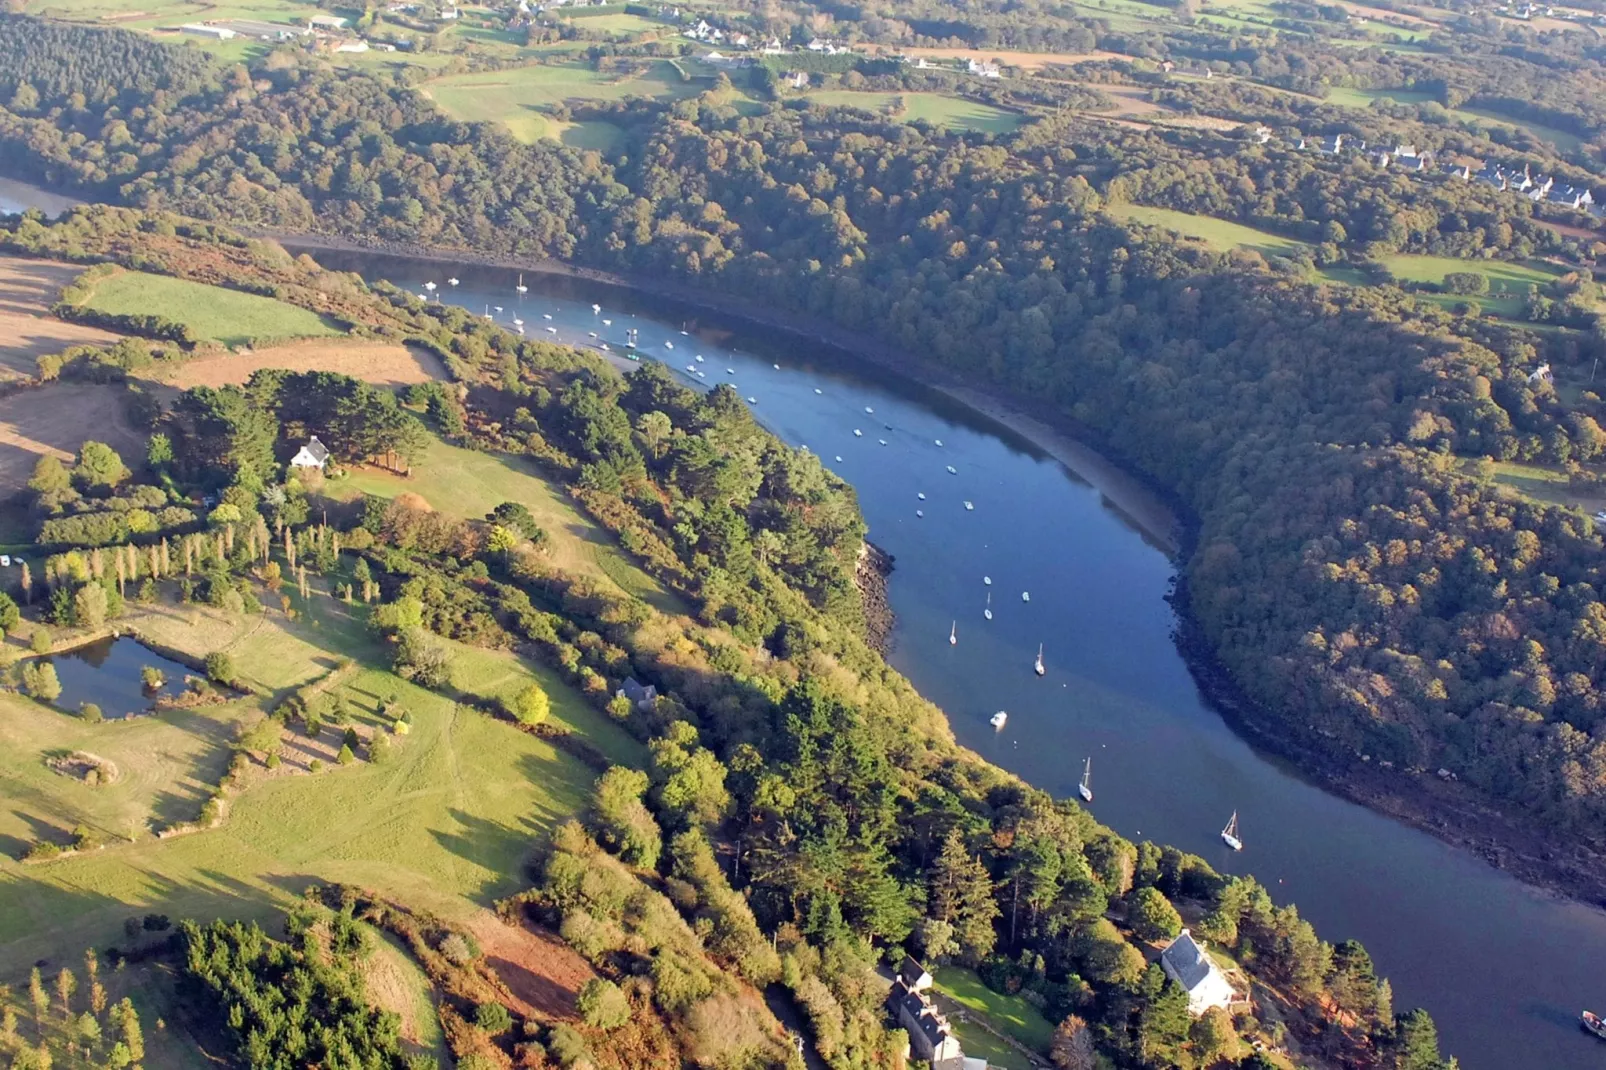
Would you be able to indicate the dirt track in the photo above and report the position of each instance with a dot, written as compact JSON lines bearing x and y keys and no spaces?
{"x":27,"y":330}
{"x":373,"y":362}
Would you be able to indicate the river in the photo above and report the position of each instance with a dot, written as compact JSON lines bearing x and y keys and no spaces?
{"x":1503,"y":967}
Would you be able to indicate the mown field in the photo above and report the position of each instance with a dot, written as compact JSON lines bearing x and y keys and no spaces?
{"x":1009,"y":1014}
{"x":950,"y":113}
{"x":444,"y":823}
{"x":212,"y":312}
{"x":1219,"y":234}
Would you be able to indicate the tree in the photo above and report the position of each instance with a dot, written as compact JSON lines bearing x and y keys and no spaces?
{"x":530,"y":706}
{"x":1416,"y":1042}
{"x":422,"y":659}
{"x":961,"y":895}
{"x":1152,"y":915}
{"x":493,"y":1019}
{"x":517,"y":517}
{"x":49,"y":476}
{"x":655,"y":429}
{"x":1073,"y":1045}
{"x":89,"y":606}
{"x":1213,"y":1037}
{"x":345,"y":757}
{"x":159,"y":451}
{"x":622,"y":820}
{"x":99,"y":465}
{"x":602,"y":1004}
{"x":66,"y":985}
{"x":39,"y":680}
{"x":220,"y":668}
{"x":10,"y":614}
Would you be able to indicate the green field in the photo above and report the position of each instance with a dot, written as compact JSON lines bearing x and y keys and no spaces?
{"x":950,"y":113}
{"x":1508,"y":281}
{"x":1474,"y":117}
{"x":514,"y":97}
{"x":445,"y":823}
{"x":1219,"y":234}
{"x":618,"y":24}
{"x":1008,"y":1014}
{"x":470,"y":484}
{"x":212,"y":312}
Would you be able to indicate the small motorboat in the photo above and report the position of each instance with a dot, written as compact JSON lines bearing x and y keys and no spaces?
{"x":1085,"y":788}
{"x":953,"y":634}
{"x":1592,"y":1024}
{"x":952,"y":470}
{"x":1026,"y":596}
{"x":857,"y":433}
{"x":699,"y":358}
{"x":970,"y":507}
{"x":882,"y":441}
{"x":429,"y":286}
{"x":591,"y":334}
{"x":938,"y":441}
{"x":451,"y":282}
{"x":777,"y":367}
{"x":691,"y":369}
{"x":730,"y":371}
{"x":999,"y":719}
{"x":551,"y":330}
{"x":605,"y":348}
{"x":669,"y":345}
{"x":869,"y":410}
{"x":988,"y":580}
{"x":1229,"y":836}
{"x":497,"y":307}
{"x":752,"y":401}
{"x":701,"y":374}
{"x":921,"y":495}
{"x":920,"y":514}
{"x":546,"y":315}
{"x":1038,"y":668}
{"x":607,"y":323}
{"x":839,"y":458}
{"x":595,"y":309}
{"x":817,"y":390}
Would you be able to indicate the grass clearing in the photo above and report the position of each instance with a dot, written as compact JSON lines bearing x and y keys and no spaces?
{"x":470,"y":484}
{"x":212,"y":312}
{"x":511,"y":96}
{"x":1219,"y":234}
{"x":1508,"y":281}
{"x":1009,"y":1014}
{"x":938,"y":109}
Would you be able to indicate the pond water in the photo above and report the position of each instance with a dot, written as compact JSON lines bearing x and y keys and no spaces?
{"x":1503,"y":968}
{"x":107,"y":672}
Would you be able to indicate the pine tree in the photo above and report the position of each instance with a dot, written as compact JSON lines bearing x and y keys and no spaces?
{"x":962,"y":896}
{"x":66,"y":985}
{"x":38,"y":997}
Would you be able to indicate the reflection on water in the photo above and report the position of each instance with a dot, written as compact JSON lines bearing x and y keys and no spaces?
{"x":107,"y":673}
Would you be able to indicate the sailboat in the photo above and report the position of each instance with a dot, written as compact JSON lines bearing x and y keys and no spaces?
{"x":452,"y":282}
{"x":429,"y":286}
{"x":953,"y":634}
{"x":595,"y":309}
{"x":1085,"y":788}
{"x":1229,"y":835}
{"x":1026,"y":596}
{"x":1038,"y":668}
{"x":521,"y":288}
{"x":988,"y":612}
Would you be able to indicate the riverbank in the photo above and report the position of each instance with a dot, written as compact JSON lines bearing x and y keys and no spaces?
{"x":874,"y":566}
{"x":1451,"y":812}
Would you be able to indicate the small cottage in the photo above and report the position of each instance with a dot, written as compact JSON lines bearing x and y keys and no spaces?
{"x":313,"y":455}
{"x":1186,"y":963}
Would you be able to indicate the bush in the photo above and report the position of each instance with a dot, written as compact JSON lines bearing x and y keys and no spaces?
{"x":41,"y":641}
{"x":152,"y":678}
{"x":602,"y":1005}
{"x":459,"y":950}
{"x":39,"y":680}
{"x":530,"y":706}
{"x":91,"y":713}
{"x":422,"y":659}
{"x":220,"y":668}
{"x":493,"y":1019}
{"x":345,"y":757}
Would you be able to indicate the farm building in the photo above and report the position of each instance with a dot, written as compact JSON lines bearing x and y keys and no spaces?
{"x":201,"y":29}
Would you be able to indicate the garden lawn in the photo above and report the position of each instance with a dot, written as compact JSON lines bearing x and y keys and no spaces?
{"x":1219,"y":234}
{"x":212,"y":312}
{"x":1008,"y":1014}
{"x":938,"y":109}
{"x":469,"y":484}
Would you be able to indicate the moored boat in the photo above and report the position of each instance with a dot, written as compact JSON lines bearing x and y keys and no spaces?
{"x":1591,"y":1022}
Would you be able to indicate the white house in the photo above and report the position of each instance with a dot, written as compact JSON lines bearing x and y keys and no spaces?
{"x":313,"y":455}
{"x":984,"y":68}
{"x":449,"y":13}
{"x":1186,"y":963}
{"x":773,"y":47}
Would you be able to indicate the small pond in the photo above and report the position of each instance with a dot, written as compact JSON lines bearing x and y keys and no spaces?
{"x":107,"y":673}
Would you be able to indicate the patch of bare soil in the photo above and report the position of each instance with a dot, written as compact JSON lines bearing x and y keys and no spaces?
{"x":373,"y":362}
{"x":56,"y":420}
{"x":27,"y":329}
{"x":543,"y":973}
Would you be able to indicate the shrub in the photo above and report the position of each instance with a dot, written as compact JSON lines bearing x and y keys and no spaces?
{"x":530,"y":706}
{"x":345,"y":757}
{"x":152,"y":677}
{"x":422,"y":659}
{"x":220,"y":668}
{"x":41,"y":640}
{"x":39,"y":680}
{"x":91,"y":713}
{"x":493,"y":1019}
{"x":459,"y":950}
{"x":602,"y":1005}
{"x":315,"y":766}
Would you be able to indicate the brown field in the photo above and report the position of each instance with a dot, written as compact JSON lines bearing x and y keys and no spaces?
{"x":543,"y":973}
{"x":1131,"y":100}
{"x":1024,"y":60}
{"x":373,"y":362}
{"x":57,"y":419}
{"x":1383,"y":14}
{"x":27,"y":330}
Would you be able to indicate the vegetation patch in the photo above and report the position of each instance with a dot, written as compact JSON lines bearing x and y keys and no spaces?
{"x":938,"y":109}
{"x":210,"y":312}
{"x":1219,"y":234}
{"x":81,"y":765}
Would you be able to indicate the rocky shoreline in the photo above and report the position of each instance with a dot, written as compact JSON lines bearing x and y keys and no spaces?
{"x":874,"y":566}
{"x":1451,"y":812}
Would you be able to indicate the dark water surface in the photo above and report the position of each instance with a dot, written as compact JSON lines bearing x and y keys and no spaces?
{"x":1503,"y":968}
{"x":107,"y":673}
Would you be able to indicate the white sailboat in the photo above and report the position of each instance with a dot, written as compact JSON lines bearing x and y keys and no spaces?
{"x":970,"y":507}
{"x":1026,"y":596}
{"x":1038,"y":668}
{"x":451,"y":282}
{"x":988,"y":612}
{"x":999,"y":719}
{"x":920,"y":514}
{"x":988,"y":580}
{"x":1085,"y":788}
{"x":521,"y":288}
{"x":1229,"y":835}
{"x":817,"y":390}
{"x":953,"y":634}
{"x":430,"y":286}
{"x":595,"y":309}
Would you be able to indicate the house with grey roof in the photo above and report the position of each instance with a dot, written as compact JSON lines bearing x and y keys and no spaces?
{"x":931,"y":1038}
{"x":1186,"y":963}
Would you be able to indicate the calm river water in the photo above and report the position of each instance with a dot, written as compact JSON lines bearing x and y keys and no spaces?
{"x":1503,"y":968}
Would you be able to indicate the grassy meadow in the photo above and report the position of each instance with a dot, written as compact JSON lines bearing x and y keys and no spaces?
{"x":516,"y":97}
{"x":938,"y":109}
{"x":1219,"y":234}
{"x":212,"y":312}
